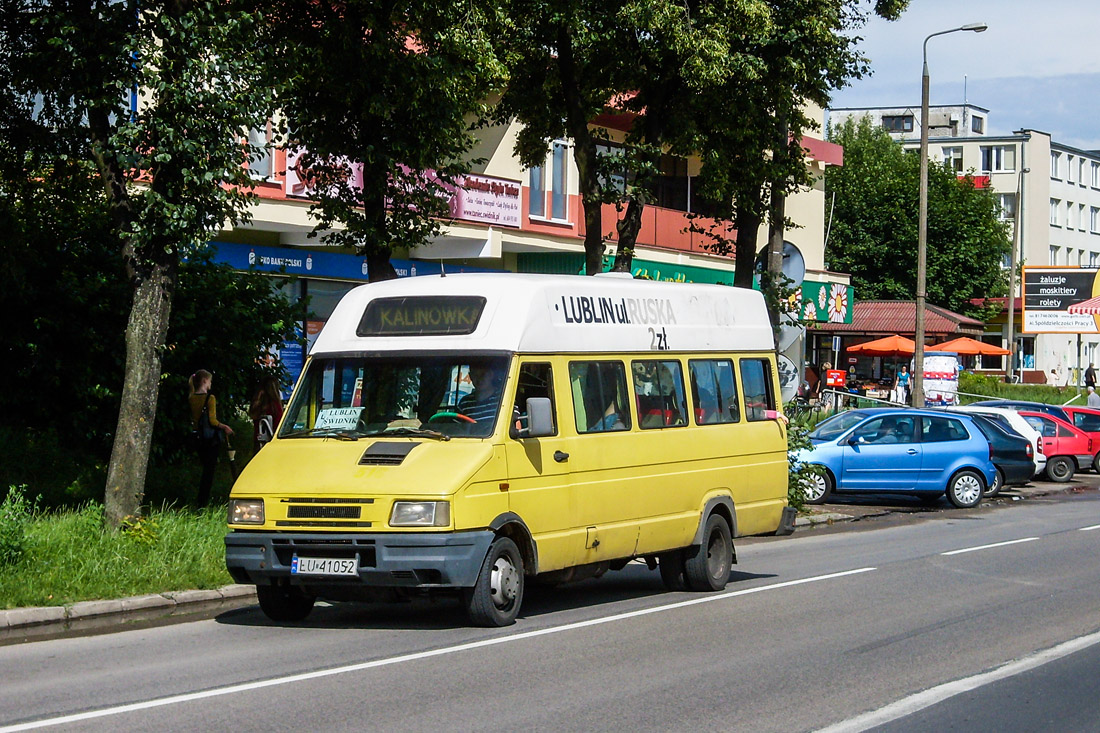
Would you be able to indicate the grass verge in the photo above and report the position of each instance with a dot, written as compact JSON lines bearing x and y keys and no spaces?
{"x":67,"y":556}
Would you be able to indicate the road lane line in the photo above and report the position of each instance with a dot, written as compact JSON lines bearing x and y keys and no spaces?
{"x":921,"y":700}
{"x":306,"y":676}
{"x":1089,"y":529}
{"x":986,"y":547}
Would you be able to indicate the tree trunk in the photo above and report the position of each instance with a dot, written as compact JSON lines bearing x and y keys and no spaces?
{"x":145,"y":334}
{"x":748,"y":228}
{"x":584,"y":154}
{"x":628,"y":228}
{"x":379,"y":267}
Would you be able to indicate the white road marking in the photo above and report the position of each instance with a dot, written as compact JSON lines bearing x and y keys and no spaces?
{"x":1089,"y":529}
{"x":306,"y":676}
{"x":921,"y":700}
{"x":986,"y":547}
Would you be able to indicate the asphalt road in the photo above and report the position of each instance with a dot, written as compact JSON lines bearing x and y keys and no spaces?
{"x":907,"y":625}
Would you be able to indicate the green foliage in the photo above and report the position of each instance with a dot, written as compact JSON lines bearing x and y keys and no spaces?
{"x":800,"y":476}
{"x":874,"y":230}
{"x":421,"y":72}
{"x":16,"y":513}
{"x":69,"y":557}
{"x":995,"y":388}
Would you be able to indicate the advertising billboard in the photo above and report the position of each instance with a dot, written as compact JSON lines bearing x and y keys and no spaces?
{"x":1061,"y":300}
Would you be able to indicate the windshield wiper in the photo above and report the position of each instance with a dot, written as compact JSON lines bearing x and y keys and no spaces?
{"x":416,"y":431}
{"x":338,"y":433}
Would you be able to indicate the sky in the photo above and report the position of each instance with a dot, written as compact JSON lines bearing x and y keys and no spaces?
{"x":1036,"y":67}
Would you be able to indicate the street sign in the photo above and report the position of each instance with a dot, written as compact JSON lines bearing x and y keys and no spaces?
{"x":836,"y":343}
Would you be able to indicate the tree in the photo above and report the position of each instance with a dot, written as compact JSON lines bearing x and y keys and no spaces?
{"x":157,"y":95}
{"x":874,"y":230}
{"x":383,"y":143}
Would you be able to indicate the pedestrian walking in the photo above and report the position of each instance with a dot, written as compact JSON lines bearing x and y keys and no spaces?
{"x":207,"y":432}
{"x":266,"y":411}
{"x":1090,"y":376}
{"x":1094,"y":399}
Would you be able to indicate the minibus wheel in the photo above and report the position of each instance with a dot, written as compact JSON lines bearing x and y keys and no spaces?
{"x":284,"y":603}
{"x":496,"y":596}
{"x":709,"y":567}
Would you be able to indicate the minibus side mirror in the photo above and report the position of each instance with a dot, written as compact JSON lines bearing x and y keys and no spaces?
{"x":540,"y":418}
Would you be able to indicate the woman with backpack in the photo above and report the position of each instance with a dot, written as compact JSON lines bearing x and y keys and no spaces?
{"x":266,"y":412}
{"x":207,"y":429}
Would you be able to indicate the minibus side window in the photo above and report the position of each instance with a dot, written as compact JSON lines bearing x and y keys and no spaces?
{"x":659,"y":394}
{"x":714,"y":391}
{"x":756,"y":384}
{"x":535,"y":380}
{"x":600,"y":399}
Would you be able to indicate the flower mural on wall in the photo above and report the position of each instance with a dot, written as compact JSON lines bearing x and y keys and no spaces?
{"x":809,"y":313}
{"x":838,"y":303}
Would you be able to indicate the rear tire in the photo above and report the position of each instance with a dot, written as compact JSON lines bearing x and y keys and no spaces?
{"x":821,"y":488}
{"x":965,"y":489}
{"x":284,"y":603}
{"x":709,"y":567}
{"x":1060,"y":469}
{"x":498,"y":593}
{"x":996,"y":486}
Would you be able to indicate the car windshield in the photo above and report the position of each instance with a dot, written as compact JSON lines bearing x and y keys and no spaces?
{"x":837,"y":425}
{"x":425,"y":395}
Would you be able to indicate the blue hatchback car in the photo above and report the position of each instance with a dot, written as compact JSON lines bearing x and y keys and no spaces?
{"x":917,"y":452}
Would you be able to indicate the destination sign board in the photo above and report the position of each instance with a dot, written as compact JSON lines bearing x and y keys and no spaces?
{"x":422,"y":315}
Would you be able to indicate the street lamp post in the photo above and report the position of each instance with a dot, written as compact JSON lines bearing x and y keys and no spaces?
{"x":922,"y":226}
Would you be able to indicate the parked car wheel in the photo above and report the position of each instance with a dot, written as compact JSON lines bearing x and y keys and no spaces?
{"x":965,"y":489}
{"x":995,"y":488}
{"x":821,"y":488}
{"x":1060,"y":468}
{"x":1096,"y":463}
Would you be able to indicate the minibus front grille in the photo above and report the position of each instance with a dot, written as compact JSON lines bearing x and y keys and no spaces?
{"x":307,"y":523}
{"x":323,"y":512}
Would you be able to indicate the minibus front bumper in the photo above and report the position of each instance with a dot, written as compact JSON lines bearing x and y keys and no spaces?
{"x":395,"y":560}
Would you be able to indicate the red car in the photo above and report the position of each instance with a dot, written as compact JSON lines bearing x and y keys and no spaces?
{"x":1087,"y":419}
{"x":1067,"y":449}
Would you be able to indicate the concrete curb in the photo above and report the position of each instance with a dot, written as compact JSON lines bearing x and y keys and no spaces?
{"x":159,"y":604}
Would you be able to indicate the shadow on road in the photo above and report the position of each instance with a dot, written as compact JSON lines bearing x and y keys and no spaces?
{"x":444,"y":611}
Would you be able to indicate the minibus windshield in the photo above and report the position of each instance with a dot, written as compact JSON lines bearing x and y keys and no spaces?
{"x":429,"y":395}
{"x":837,"y":424}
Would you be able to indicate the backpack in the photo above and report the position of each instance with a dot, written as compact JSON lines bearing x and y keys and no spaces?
{"x":204,"y":433}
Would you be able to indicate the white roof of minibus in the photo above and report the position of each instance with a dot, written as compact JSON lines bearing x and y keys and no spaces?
{"x":566,"y":314}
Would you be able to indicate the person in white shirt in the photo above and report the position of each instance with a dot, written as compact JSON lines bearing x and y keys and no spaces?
{"x":1094,"y":399}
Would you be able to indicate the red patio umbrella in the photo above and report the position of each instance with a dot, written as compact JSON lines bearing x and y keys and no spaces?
{"x":887,"y":346}
{"x":964,"y":345}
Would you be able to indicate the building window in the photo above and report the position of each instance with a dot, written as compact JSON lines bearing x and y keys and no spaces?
{"x":1053,"y":255}
{"x":261,"y":162}
{"x":1069,"y":215}
{"x":1081,"y":179}
{"x":1069,"y":169}
{"x":559,"y":209}
{"x":1093,"y":258}
{"x":1008,"y":205}
{"x":1055,"y":207}
{"x":1055,"y":165}
{"x":953,"y":159}
{"x":1082,"y":222}
{"x":1095,"y":217}
{"x":897,"y":123}
{"x":998,"y":158}
{"x":977,"y":124}
{"x":1096,"y":175}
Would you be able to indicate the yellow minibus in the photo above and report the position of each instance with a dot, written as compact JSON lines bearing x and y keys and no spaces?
{"x":471,"y":433}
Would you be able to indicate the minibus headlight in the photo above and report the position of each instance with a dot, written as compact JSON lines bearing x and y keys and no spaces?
{"x":420,"y":514}
{"x":246,"y":511}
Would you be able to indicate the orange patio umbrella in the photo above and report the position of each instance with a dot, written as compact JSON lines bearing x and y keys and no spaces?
{"x":970,"y":347}
{"x":887,"y":346}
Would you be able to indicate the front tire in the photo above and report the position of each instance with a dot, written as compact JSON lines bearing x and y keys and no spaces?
{"x":1060,"y":469}
{"x":996,"y":486}
{"x":820,"y":488}
{"x":498,"y":593}
{"x":709,"y":568}
{"x":965,"y":489}
{"x":284,"y":603}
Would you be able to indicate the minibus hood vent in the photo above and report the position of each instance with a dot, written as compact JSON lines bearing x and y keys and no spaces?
{"x":386,"y":454}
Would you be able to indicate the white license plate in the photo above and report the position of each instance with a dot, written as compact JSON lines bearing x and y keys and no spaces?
{"x":322,"y":566}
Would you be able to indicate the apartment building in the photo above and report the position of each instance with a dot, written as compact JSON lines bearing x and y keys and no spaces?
{"x":1049,"y":190}
{"x":505,"y":217}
